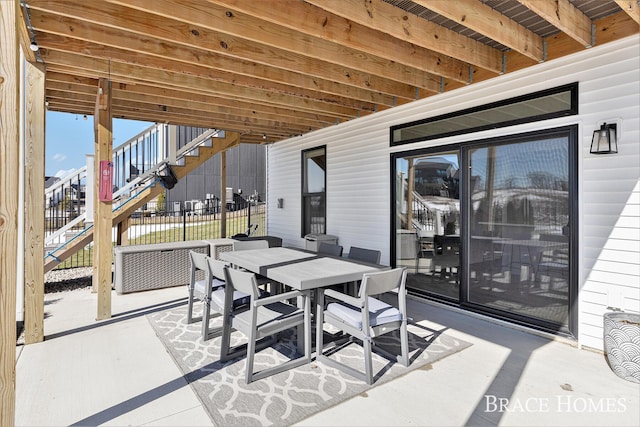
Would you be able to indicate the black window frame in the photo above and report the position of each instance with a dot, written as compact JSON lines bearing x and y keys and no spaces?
{"x":304,"y":194}
{"x":572,"y":130}
{"x":572,"y":110}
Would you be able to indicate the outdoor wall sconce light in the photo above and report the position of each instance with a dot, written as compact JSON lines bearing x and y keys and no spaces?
{"x":280,"y":203}
{"x":605,"y":139}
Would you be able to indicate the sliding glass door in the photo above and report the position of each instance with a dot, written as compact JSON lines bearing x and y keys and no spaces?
{"x":428,"y":221}
{"x":519,"y":225}
{"x":488,"y":225}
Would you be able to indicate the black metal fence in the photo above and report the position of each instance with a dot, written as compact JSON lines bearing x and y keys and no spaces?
{"x":188,"y":223}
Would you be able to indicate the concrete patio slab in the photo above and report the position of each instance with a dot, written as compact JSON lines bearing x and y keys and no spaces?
{"x":116,"y":372}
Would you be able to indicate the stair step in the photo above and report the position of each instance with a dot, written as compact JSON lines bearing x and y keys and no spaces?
{"x":204,"y":152}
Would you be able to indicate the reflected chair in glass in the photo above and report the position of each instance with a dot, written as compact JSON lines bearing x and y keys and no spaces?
{"x":330,"y":249}
{"x":260,"y":320}
{"x":365,"y":318}
{"x":446,"y":256}
{"x":553,"y":262}
{"x":424,"y":247}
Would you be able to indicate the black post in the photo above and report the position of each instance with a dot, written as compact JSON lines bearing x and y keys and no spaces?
{"x":184,"y":222}
{"x":249,"y":217}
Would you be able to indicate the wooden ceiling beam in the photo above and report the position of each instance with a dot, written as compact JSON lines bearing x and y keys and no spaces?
{"x":227,"y":118}
{"x":145,"y":111}
{"x":127,"y":73}
{"x":481,"y":18}
{"x":266,"y":43}
{"x":25,"y":36}
{"x":181,"y":107}
{"x":249,"y":67}
{"x":390,"y":20}
{"x":133,"y":92}
{"x":83,"y":109}
{"x":160,"y":95}
{"x":59,"y":43}
{"x":218,"y":111}
{"x":53,"y":76}
{"x":67,"y":87}
{"x":564,"y":16}
{"x":109,"y":53}
{"x":83,"y":104}
{"x":178,"y":23}
{"x":119,"y":45}
{"x":631,"y":8}
{"x":353,"y":37}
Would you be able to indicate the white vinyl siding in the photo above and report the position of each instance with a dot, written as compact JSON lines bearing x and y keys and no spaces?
{"x":358,"y":168}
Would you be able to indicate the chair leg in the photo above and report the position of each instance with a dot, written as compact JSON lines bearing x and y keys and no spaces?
{"x":207,"y":331}
{"x":404,"y":344}
{"x":307,"y":328}
{"x":251,"y":349}
{"x":368,"y":368}
{"x":206,"y":315}
{"x":225,"y":342}
{"x":319,"y":321}
{"x":190,"y":318}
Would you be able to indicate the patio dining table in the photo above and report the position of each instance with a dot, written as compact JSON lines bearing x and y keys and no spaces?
{"x":300,"y":269}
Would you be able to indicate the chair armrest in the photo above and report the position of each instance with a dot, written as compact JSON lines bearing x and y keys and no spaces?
{"x":356,"y":302}
{"x":280,"y":297}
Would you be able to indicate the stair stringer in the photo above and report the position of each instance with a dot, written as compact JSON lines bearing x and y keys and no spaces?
{"x":84,"y":237}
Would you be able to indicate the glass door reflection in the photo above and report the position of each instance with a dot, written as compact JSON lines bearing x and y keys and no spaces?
{"x":428,"y":222}
{"x":518,"y":250}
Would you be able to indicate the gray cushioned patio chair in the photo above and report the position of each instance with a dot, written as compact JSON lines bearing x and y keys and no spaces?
{"x":366,"y":318}
{"x":330,"y":249}
{"x":199,"y":290}
{"x":245,"y":245}
{"x":210,"y":291}
{"x":371,"y":256}
{"x":260,"y":321}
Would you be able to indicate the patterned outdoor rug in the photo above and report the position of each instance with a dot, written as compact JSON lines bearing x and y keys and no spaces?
{"x":290,"y":396}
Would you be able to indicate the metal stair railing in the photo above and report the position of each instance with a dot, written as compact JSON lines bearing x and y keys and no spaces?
{"x":423,"y":216}
{"x":64,"y":205}
{"x":123,"y":195}
{"x":133,"y":188}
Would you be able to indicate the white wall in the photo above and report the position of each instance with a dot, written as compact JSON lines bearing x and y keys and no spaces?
{"x":358,"y":168}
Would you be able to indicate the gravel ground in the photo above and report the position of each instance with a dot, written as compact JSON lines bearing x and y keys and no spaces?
{"x":68,"y":279}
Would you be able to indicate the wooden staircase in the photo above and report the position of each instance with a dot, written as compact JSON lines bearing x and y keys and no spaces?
{"x":190,"y":163}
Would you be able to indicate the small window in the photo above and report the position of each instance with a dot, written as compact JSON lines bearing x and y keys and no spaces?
{"x":314,"y":207}
{"x":544,"y":105}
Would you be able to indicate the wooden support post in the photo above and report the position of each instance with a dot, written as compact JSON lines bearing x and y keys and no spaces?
{"x":123,"y":232}
{"x":34,"y":204}
{"x":223,"y":194}
{"x":173,"y":144}
{"x":9,"y":143}
{"x":102,"y":247}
